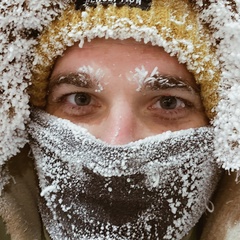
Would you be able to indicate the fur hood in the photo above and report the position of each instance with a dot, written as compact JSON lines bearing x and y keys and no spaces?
{"x":22,"y":23}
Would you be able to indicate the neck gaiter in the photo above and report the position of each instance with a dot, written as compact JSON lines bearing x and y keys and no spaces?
{"x":155,"y":188}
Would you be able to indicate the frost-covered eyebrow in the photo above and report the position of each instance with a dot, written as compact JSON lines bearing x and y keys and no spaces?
{"x":161,"y":82}
{"x":83,"y":80}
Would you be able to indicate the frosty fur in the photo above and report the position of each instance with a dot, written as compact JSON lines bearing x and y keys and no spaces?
{"x":22,"y":22}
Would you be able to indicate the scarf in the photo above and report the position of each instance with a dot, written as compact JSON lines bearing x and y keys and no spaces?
{"x":155,"y":188}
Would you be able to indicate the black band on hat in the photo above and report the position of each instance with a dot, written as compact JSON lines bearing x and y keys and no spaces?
{"x":143,"y":4}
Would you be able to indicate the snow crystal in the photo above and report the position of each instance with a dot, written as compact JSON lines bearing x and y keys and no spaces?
{"x":19,"y":21}
{"x":224,"y":19}
{"x":140,"y":76}
{"x":48,"y":189}
{"x":96,"y":75}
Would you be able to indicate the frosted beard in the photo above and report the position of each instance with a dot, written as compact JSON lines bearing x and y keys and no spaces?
{"x":155,"y":188}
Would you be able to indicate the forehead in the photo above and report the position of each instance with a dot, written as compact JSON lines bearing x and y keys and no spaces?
{"x":119,"y":56}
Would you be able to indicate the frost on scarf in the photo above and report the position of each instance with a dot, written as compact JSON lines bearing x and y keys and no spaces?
{"x":155,"y":188}
{"x":20,"y":23}
{"x":224,"y":18}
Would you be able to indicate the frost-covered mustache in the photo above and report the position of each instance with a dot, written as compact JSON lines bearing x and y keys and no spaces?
{"x":162,"y":182}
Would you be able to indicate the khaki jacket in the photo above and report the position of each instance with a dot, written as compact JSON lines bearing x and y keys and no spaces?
{"x":18,"y":202}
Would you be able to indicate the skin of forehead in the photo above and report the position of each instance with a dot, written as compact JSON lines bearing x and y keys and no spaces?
{"x":105,"y":45}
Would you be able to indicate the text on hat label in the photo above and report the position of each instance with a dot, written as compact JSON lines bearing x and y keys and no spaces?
{"x":143,"y":4}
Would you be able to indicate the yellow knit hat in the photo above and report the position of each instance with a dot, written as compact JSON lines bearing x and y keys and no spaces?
{"x":171,"y":24}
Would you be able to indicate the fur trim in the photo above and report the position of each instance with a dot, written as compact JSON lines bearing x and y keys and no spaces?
{"x":22,"y":23}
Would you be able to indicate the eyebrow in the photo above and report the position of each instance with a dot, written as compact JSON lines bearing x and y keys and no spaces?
{"x":79,"y":79}
{"x":152,"y":83}
{"x":162,"y":82}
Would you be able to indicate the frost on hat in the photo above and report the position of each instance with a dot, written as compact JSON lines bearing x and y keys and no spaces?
{"x":34,"y":33}
{"x":172,"y":25}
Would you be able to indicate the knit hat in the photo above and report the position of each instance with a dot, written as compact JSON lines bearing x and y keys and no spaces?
{"x":172,"y":25}
{"x":202,"y":34}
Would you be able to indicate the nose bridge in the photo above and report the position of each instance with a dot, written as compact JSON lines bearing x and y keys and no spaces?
{"x":120,"y":124}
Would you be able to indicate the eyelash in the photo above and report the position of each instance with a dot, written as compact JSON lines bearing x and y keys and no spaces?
{"x":171,"y":114}
{"x":74,"y":109}
{"x":159,"y":112}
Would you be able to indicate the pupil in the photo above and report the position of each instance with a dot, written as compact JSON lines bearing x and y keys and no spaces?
{"x":168,"y":102}
{"x":82,"y":99}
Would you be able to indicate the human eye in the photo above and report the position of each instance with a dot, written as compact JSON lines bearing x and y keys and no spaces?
{"x":170,"y":103}
{"x":77,"y":104}
{"x":173,"y":107}
{"x":79,"y":99}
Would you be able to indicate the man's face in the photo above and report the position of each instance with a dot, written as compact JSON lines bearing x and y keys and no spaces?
{"x":122,"y":91}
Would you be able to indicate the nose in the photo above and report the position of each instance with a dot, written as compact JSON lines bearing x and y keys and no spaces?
{"x":121,"y":125}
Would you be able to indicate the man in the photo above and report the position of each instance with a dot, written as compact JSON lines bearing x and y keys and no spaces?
{"x":137,"y":80}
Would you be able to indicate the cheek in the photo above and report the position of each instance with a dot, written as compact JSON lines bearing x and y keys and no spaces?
{"x":199,"y":119}
{"x":54,"y":110}
{"x":158,"y":125}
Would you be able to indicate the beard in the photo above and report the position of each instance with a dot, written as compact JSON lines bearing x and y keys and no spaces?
{"x":155,"y":188}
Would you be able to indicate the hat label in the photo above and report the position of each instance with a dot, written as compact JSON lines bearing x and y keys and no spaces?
{"x":143,"y":4}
